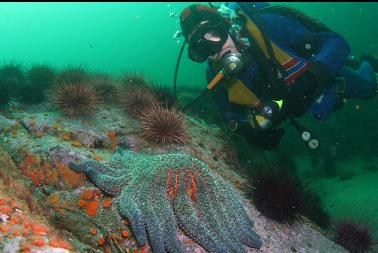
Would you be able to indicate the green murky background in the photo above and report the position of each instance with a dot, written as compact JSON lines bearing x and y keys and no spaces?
{"x":116,"y":37}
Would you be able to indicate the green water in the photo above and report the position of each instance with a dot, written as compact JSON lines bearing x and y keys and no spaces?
{"x":117,"y":37}
{"x":113,"y":37}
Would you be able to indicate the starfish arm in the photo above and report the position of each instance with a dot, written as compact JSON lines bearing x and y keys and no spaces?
{"x":155,"y":233}
{"x":171,"y":243}
{"x":216,"y":219}
{"x":120,"y":162}
{"x":159,"y":201}
{"x":78,"y":167}
{"x":236,"y":214}
{"x":192,"y":226}
{"x":220,"y":199}
{"x":128,"y":208}
{"x":109,"y":184}
{"x":251,"y":239}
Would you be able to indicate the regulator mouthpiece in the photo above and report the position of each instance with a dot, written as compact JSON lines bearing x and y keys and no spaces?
{"x":232,"y":63}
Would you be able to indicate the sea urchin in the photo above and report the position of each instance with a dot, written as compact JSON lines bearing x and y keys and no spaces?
{"x":164,"y":95}
{"x":354,"y":236}
{"x":136,"y":100}
{"x":277,"y":195}
{"x":72,"y":74}
{"x":12,"y":78}
{"x":105,"y":87}
{"x":163,"y":126}
{"x":5,"y":98}
{"x":133,"y":79}
{"x":39,"y":79}
{"x":75,"y":99}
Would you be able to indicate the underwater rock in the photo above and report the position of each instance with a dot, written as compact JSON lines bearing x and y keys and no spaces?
{"x":13,"y":245}
{"x":128,"y":142}
{"x":91,"y":139}
{"x":5,"y":123}
{"x":23,"y":227}
{"x":158,"y":193}
{"x":65,"y":156}
{"x":94,"y":223}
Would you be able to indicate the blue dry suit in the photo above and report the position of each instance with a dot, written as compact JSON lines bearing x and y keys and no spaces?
{"x":289,"y":34}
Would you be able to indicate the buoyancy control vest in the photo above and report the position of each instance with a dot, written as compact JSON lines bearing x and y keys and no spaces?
{"x":281,"y":67}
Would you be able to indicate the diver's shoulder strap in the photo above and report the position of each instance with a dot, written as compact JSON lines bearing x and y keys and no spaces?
{"x":311,"y":23}
{"x":239,"y":93}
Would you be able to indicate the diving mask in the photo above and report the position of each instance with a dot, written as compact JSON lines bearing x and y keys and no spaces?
{"x":207,"y":40}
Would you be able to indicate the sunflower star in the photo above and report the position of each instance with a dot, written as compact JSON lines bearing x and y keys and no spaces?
{"x":159,"y":193}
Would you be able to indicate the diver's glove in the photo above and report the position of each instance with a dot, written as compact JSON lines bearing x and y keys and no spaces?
{"x":314,"y":79}
{"x":266,"y":139}
{"x":318,"y":72}
{"x":265,"y":116}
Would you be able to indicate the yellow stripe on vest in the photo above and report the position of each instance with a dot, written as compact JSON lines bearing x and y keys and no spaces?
{"x":238,"y":93}
{"x":281,"y":56}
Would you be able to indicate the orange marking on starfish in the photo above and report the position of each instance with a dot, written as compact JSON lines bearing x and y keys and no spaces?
{"x":177,"y":183}
{"x":193,"y":188}
{"x":168,"y":184}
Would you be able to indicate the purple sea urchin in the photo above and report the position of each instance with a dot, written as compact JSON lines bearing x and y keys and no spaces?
{"x":39,"y":79}
{"x":164,"y":95}
{"x":136,"y":100}
{"x":105,"y":87}
{"x":277,"y":196}
{"x":75,"y":99}
{"x":133,"y":79}
{"x":72,"y":74}
{"x":163,"y":126}
{"x":12,"y":78}
{"x":280,"y":195}
{"x":41,"y":75}
{"x":354,"y":236}
{"x":5,"y":98}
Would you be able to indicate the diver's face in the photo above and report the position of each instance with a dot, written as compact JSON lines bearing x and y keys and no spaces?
{"x":229,"y":45}
{"x":206,"y":40}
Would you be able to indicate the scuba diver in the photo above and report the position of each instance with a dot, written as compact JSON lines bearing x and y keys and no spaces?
{"x":268,"y":64}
